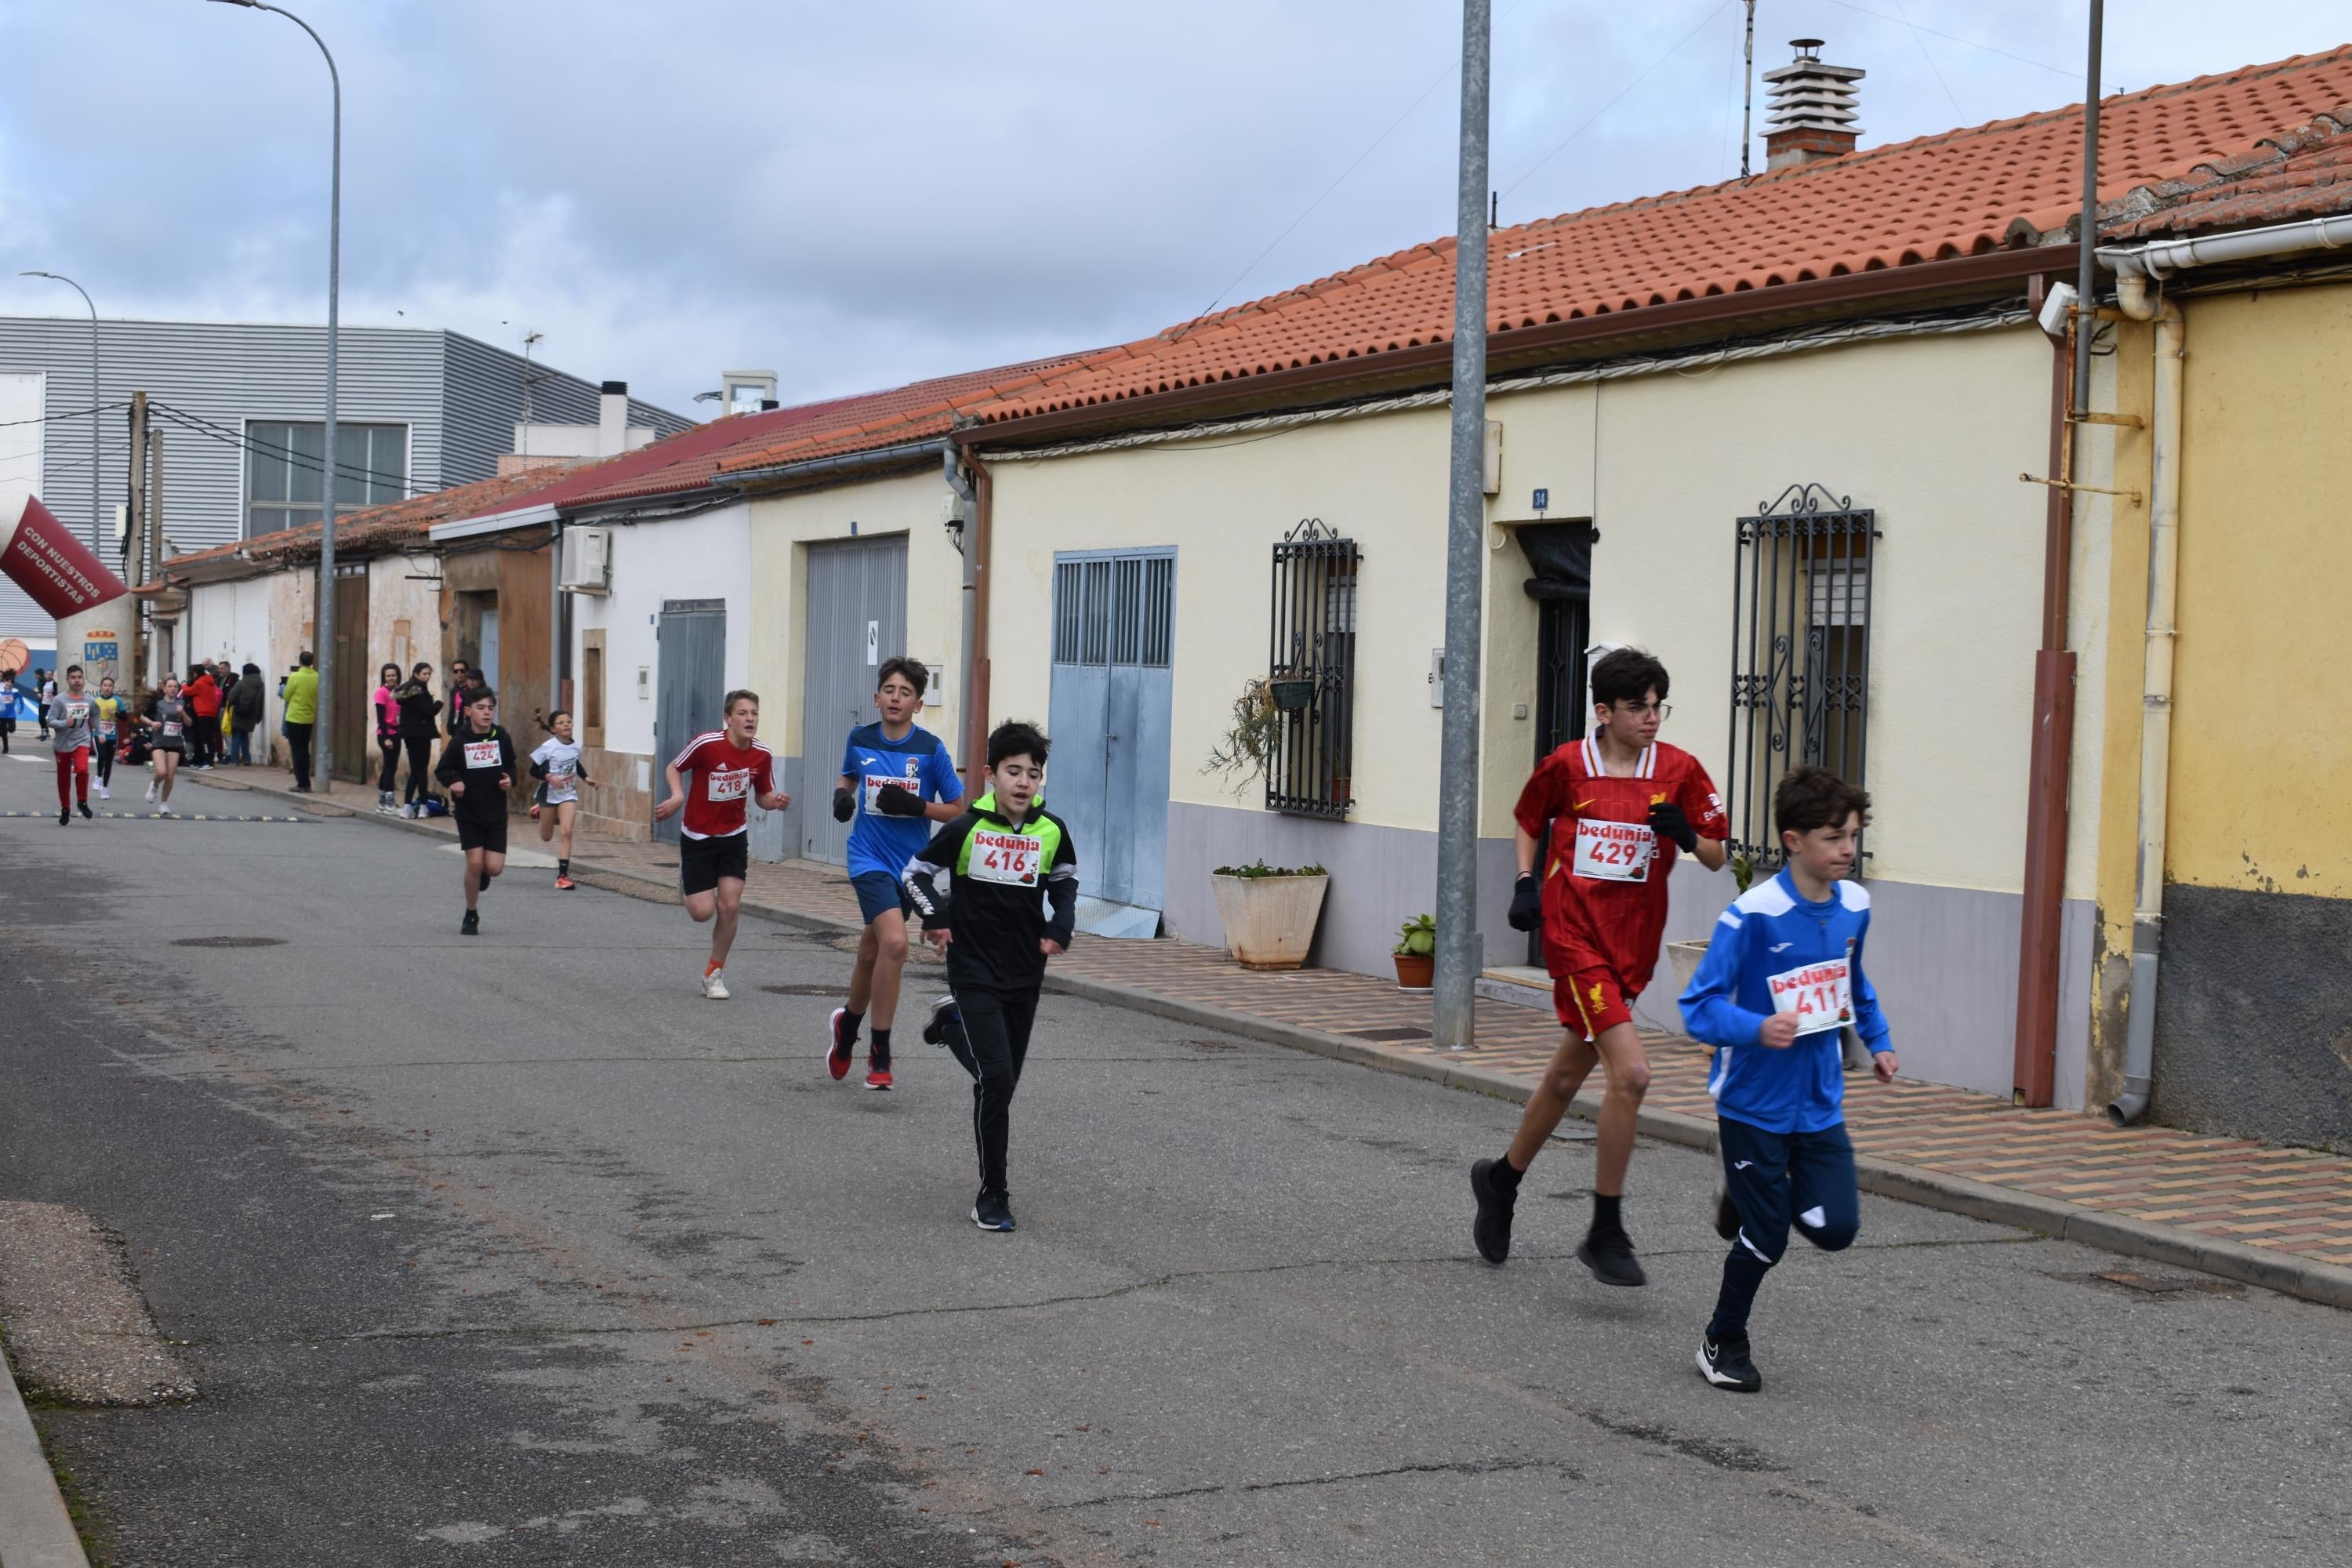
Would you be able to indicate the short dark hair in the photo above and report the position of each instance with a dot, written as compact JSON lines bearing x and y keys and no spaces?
{"x":251,"y":670}
{"x":559,"y":714}
{"x":1627,"y":675}
{"x":73,"y":669}
{"x":480,"y":694}
{"x":1015,"y":738}
{"x":306,"y":656}
{"x":1811,"y":797}
{"x":915,"y":674}
{"x":738,"y":695}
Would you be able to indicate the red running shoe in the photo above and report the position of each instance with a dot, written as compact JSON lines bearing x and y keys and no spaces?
{"x":879,"y":1078}
{"x":564,"y":883}
{"x":836,"y":1058}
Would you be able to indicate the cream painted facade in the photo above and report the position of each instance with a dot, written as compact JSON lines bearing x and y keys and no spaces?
{"x":1931,"y":432}
{"x":782,"y":528}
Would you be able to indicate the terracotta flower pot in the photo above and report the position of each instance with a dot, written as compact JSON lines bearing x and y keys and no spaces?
{"x":1415,"y":971}
{"x":1269,"y":920}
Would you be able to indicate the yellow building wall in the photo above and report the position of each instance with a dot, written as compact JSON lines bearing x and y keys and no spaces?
{"x":2262,"y":752}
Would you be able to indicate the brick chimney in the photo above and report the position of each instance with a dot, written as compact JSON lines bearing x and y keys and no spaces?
{"x":1812,"y":110}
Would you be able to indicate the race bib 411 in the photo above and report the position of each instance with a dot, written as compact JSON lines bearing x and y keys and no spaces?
{"x":1820,"y":994}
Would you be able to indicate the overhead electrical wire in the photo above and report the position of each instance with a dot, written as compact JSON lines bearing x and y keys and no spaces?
{"x":197,"y":426}
{"x":67,"y":414}
{"x":2075,"y":74}
{"x":1594,"y":116}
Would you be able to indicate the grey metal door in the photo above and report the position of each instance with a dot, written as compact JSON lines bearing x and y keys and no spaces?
{"x":856,"y":618}
{"x":690,"y":680}
{"x":1113,"y":691}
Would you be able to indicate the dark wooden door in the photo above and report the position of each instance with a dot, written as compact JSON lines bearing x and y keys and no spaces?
{"x":355,"y":677}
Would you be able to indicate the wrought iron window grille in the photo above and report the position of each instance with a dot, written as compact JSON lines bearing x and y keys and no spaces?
{"x":1312,"y":639}
{"x":1800,"y":655}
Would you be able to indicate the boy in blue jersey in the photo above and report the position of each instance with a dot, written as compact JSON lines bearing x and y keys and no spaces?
{"x":1781,"y":982}
{"x":897,"y":779}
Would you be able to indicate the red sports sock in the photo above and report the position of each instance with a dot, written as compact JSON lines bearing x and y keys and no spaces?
{"x":711,"y":968}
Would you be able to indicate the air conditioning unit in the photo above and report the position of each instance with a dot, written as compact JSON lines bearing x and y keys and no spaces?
{"x":587,"y":565}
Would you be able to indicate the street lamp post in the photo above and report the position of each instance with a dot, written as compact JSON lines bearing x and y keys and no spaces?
{"x":324,"y":616}
{"x":96,"y":398}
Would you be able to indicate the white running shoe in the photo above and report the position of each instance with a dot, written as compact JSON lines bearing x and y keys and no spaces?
{"x":714,"y":986}
{"x":162,"y":811}
{"x":150,"y":792}
{"x":102,"y":794}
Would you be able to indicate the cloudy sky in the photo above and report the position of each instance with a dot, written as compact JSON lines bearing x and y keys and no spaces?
{"x":861,"y":194}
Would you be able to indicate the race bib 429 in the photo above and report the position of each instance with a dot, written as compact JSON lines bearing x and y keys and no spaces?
{"x":1614,"y":851}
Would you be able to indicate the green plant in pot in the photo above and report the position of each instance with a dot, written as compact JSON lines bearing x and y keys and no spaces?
{"x":1416,"y":954}
{"x":1252,"y":736}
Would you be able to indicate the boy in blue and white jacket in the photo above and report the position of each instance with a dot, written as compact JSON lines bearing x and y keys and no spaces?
{"x":1781,"y":981}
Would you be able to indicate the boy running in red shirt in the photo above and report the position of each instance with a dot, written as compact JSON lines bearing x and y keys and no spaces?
{"x":713,"y":780}
{"x":1619,"y":805}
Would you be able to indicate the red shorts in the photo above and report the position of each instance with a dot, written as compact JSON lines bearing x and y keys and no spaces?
{"x":1592,"y":1000}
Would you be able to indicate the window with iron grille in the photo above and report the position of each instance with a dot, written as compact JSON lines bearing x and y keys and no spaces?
{"x":1311,"y":670}
{"x":1800,"y":655}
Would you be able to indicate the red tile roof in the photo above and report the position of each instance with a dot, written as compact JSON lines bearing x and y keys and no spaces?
{"x":2010,"y":184}
{"x":372,"y":530}
{"x":678,"y":464}
{"x":917,"y":411}
{"x":2306,"y":173}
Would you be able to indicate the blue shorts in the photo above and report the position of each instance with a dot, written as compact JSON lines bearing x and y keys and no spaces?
{"x":878,"y":893}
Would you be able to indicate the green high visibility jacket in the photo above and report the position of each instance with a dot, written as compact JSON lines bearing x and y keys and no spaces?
{"x":992,"y":881}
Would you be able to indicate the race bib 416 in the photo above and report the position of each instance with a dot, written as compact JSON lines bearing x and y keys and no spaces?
{"x":1011,"y":857}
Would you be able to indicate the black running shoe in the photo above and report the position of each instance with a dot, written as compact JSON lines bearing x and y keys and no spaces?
{"x":1724,"y":1364}
{"x":86,"y":813}
{"x":1726,"y":1218}
{"x":65,"y":816}
{"x":1610,"y":1254}
{"x":944,"y":1016}
{"x":1492,"y":1227}
{"x":989,"y":1211}
{"x":471,"y":925}
{"x":486,"y":882}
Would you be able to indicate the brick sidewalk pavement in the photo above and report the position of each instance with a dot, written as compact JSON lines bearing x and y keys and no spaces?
{"x":2296,"y":1202}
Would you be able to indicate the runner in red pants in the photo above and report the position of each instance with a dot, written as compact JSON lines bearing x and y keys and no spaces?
{"x":67,"y":716}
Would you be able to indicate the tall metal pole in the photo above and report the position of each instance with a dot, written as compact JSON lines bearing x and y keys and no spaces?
{"x":2087,"y":275}
{"x":1460,"y":949}
{"x":1747,"y":92}
{"x":325,"y":613}
{"x":95,"y":399}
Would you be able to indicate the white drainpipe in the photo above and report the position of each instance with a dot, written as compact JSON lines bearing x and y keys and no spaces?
{"x":2138,"y":269}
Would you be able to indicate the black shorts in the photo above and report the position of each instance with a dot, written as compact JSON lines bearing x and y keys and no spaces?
{"x":701,"y":862}
{"x":486,"y":835}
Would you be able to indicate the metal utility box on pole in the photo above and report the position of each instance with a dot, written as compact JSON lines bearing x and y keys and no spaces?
{"x":1461,"y":953}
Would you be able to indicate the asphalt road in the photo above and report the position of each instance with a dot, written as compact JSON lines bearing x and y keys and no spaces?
{"x":515,"y":1250}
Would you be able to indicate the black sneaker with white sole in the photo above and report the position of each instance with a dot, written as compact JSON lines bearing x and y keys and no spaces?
{"x":1724,"y":1364}
{"x":990,"y":1211}
{"x":1609,"y":1253}
{"x":1491,"y":1229}
{"x":944,"y":1016}
{"x":1726,"y":1218}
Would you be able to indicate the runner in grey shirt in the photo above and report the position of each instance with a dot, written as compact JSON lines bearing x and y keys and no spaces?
{"x":67,"y":713}
{"x":169,"y":718}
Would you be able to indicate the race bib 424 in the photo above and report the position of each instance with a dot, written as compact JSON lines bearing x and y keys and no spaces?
{"x":482,"y":753}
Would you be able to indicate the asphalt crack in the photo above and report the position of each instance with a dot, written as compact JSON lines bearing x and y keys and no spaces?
{"x":1436,"y":1468}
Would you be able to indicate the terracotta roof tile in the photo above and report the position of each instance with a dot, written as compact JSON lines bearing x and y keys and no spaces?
{"x":2306,"y":173}
{"x":916,"y":412}
{"x":2008,"y":184}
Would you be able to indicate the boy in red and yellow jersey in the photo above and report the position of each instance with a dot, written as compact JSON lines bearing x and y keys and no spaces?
{"x":1619,"y":804}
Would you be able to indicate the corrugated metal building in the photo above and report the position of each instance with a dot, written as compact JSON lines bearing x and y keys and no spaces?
{"x":239,"y":403}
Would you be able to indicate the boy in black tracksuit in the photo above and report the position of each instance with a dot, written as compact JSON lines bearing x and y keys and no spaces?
{"x":978,"y":885}
{"x":477,"y":768}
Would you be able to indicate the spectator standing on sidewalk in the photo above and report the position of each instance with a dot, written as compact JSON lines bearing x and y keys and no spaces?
{"x":245,"y":701}
{"x":7,"y":708}
{"x":387,"y":735}
{"x":203,"y":696}
{"x":417,"y":705}
{"x":461,"y":677}
{"x":299,"y":692}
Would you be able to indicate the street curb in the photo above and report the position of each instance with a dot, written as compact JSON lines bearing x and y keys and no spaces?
{"x":2305,"y":1278}
{"x":35,"y":1529}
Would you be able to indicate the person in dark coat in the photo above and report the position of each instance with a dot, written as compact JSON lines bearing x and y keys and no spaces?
{"x":418,"y":729}
{"x":244,"y":700}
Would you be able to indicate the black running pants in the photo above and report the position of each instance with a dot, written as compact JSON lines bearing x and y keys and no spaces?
{"x":992,"y":1045}
{"x":104,"y":754}
{"x":298,"y":746}
{"x":420,"y":768}
{"x":389,"y":747}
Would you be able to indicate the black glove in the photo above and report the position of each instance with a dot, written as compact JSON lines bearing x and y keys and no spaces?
{"x":897,"y":800}
{"x":1669,"y":822}
{"x":1526,"y":903}
{"x":844,"y":805}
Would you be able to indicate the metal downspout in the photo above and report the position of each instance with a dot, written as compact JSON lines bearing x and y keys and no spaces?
{"x":967,"y":546}
{"x":977,"y":549}
{"x":2134,"y":294}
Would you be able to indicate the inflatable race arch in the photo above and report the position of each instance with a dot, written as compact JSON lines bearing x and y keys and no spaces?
{"x":94,"y":612}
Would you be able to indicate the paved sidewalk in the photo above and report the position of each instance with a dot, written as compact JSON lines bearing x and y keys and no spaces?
{"x":2279,"y":1217}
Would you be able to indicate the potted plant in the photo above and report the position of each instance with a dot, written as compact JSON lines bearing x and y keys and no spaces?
{"x":1416,"y":954}
{"x":1252,"y":736}
{"x":1269,"y":911}
{"x":1683,"y":957}
{"x":1292,"y":693}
